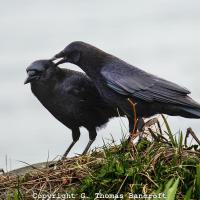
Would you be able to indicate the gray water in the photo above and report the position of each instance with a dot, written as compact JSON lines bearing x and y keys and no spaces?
{"x":160,"y":36}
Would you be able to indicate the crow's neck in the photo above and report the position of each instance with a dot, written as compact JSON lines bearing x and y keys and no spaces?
{"x":93,"y":64}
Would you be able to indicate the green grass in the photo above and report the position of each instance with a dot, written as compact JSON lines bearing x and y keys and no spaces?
{"x":163,"y":165}
{"x":158,"y":163}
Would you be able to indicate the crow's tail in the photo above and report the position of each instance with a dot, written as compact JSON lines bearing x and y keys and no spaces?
{"x":191,"y":108}
{"x":190,"y":112}
{"x":187,"y":108}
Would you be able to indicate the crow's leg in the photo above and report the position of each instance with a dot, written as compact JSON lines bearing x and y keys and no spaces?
{"x":132,"y":115}
{"x":131,"y":124}
{"x":133,"y":134}
{"x":140,"y":124}
{"x":68,"y":149}
{"x":87,"y":147}
{"x":75,"y":136}
{"x":138,"y":130}
{"x":92,"y":136}
{"x":140,"y":127}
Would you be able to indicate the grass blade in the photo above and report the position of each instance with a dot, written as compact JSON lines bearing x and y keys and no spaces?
{"x":171,"y":194}
{"x":188,"y":194}
{"x":198,"y":182}
{"x":169,"y":132}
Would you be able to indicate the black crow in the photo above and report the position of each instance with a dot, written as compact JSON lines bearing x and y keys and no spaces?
{"x":71,"y":97}
{"x":118,"y":81}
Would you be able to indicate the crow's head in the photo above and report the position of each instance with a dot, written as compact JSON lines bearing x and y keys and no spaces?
{"x":71,"y":53}
{"x":80,"y":53}
{"x":39,"y":70}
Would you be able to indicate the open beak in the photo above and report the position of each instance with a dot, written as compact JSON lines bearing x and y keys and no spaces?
{"x":31,"y":76}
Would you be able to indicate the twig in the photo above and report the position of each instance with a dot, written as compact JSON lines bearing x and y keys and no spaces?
{"x":122,"y":184}
{"x":191,"y":132}
{"x":133,"y":133}
{"x":135,"y":116}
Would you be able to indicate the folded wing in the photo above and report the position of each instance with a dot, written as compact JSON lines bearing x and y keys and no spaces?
{"x":131,"y":81}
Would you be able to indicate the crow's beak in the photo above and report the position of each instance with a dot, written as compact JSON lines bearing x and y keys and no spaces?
{"x":53,"y":58}
{"x":61,"y":61}
{"x":31,"y":76}
{"x":61,"y":56}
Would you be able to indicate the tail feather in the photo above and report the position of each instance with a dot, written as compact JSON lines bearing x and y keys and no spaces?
{"x":191,"y":112}
{"x":191,"y":108}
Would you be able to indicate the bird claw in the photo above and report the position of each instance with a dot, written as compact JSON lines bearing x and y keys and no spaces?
{"x":141,"y":129}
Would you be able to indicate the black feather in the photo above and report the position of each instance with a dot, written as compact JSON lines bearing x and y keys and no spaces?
{"x":117,"y":80}
{"x":71,"y":97}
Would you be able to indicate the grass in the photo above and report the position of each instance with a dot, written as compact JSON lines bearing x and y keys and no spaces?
{"x":161,"y":163}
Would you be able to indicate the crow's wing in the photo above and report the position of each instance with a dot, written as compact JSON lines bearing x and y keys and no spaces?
{"x":131,"y":81}
{"x":82,"y":89}
{"x":78,"y":85}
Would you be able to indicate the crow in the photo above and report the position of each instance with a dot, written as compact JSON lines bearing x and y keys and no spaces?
{"x":71,"y":97}
{"x":119,"y":83}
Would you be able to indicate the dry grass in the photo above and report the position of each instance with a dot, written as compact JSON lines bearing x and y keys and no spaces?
{"x":159,"y":157}
{"x":57,"y":178}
